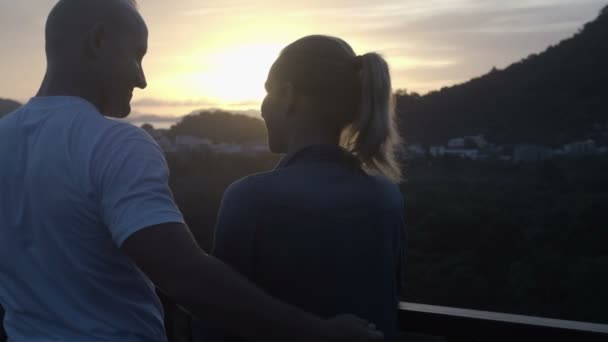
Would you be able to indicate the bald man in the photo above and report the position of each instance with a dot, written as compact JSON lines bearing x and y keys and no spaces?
{"x":88,"y":224}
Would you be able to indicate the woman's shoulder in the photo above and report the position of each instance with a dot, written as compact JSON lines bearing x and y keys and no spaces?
{"x":249,"y":185}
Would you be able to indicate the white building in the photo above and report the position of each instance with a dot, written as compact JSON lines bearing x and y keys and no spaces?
{"x":456,"y":143}
{"x":227,"y":148}
{"x":531,"y":153}
{"x":464,"y":153}
{"x":256,"y":148}
{"x":580,"y":148}
{"x":415,"y":151}
{"x":191,"y":142}
{"x":479,"y":140}
{"x":437,"y":151}
{"x":165,"y":144}
{"x":602,"y":150}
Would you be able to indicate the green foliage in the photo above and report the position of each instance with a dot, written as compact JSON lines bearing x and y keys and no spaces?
{"x":221,"y":126}
{"x":512,"y":240}
{"x":526,"y":239}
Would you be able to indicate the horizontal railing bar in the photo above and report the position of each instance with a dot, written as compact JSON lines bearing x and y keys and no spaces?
{"x":506,"y":318}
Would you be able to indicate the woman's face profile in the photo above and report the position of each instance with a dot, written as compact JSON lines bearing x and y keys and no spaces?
{"x":274,"y":112}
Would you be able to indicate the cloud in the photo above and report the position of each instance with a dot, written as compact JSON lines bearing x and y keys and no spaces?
{"x":218,"y":10}
{"x":189,"y":104}
{"x":249,"y":112}
{"x":426,"y":41}
{"x":409,"y":63}
{"x":247,"y":103}
{"x":151,"y":102}
{"x":141,"y":117}
{"x":461,"y":42}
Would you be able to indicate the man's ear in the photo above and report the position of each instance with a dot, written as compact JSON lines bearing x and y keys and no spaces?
{"x":95,"y":41}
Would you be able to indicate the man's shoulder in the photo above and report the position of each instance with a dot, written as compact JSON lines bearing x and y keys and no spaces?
{"x":113,"y":129}
{"x":92,"y":125}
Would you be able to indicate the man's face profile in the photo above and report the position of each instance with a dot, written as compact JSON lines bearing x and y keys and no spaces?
{"x":119,"y":63}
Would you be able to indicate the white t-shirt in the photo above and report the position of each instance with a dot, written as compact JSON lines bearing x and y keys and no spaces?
{"x":74,"y":186}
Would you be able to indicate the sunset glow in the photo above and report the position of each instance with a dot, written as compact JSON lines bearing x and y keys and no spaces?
{"x":230,"y":75}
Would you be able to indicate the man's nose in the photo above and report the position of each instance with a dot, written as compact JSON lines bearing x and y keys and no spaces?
{"x":141,"y":79}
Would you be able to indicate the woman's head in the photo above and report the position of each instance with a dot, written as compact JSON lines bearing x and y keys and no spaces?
{"x":322,"y":78}
{"x":314,"y":79}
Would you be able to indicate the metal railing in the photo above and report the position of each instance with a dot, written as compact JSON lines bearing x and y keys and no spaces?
{"x":472,"y":325}
{"x":454,"y":324}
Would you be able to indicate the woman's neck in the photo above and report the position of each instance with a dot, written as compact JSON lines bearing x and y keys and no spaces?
{"x":302,"y":136}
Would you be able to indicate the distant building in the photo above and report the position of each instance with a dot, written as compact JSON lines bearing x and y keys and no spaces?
{"x":602,"y":150}
{"x":165,"y":144}
{"x":415,"y":151}
{"x":256,"y":148}
{"x":456,"y":143}
{"x":477,"y":140}
{"x":161,"y":139}
{"x":531,"y":153}
{"x":464,"y":153}
{"x":190,"y":142}
{"x":437,"y":151}
{"x":227,"y":148}
{"x":580,"y":148}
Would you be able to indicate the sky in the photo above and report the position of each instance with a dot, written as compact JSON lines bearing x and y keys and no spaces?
{"x":216,"y":53}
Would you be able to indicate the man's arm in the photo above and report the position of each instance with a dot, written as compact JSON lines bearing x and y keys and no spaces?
{"x":170,"y":256}
{"x":235,"y":227}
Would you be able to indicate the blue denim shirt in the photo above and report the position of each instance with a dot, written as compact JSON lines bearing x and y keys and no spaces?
{"x":319,"y":233}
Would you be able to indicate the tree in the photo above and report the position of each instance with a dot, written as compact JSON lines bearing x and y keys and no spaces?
{"x":147,"y":127}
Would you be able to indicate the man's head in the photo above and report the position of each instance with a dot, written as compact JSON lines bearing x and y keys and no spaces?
{"x":98,"y":46}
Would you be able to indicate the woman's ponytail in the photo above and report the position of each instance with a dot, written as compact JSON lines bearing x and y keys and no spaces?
{"x":373,"y":135}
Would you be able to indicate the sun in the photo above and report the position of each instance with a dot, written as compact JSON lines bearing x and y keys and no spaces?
{"x":239,"y":74}
{"x":231,"y":76}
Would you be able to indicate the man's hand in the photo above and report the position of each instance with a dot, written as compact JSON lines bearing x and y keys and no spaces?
{"x":210,"y":290}
{"x":350,"y":328}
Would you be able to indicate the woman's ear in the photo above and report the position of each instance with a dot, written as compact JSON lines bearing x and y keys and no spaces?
{"x":290,"y":98}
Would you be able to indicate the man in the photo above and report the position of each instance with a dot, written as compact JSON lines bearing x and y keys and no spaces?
{"x":86,"y":215}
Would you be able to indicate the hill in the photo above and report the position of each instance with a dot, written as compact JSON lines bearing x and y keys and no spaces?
{"x":549,"y":98}
{"x":221,"y":126}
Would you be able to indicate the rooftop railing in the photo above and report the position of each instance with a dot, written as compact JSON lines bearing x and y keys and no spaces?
{"x":454,"y":325}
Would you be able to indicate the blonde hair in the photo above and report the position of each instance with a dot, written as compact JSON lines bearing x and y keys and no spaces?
{"x":359,"y":87}
{"x":373,"y":135}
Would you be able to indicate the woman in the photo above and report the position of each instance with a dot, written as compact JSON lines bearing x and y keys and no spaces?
{"x":324,"y":230}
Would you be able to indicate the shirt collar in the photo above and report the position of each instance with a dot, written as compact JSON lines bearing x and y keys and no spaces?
{"x":318,"y":153}
{"x":61,"y":101}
